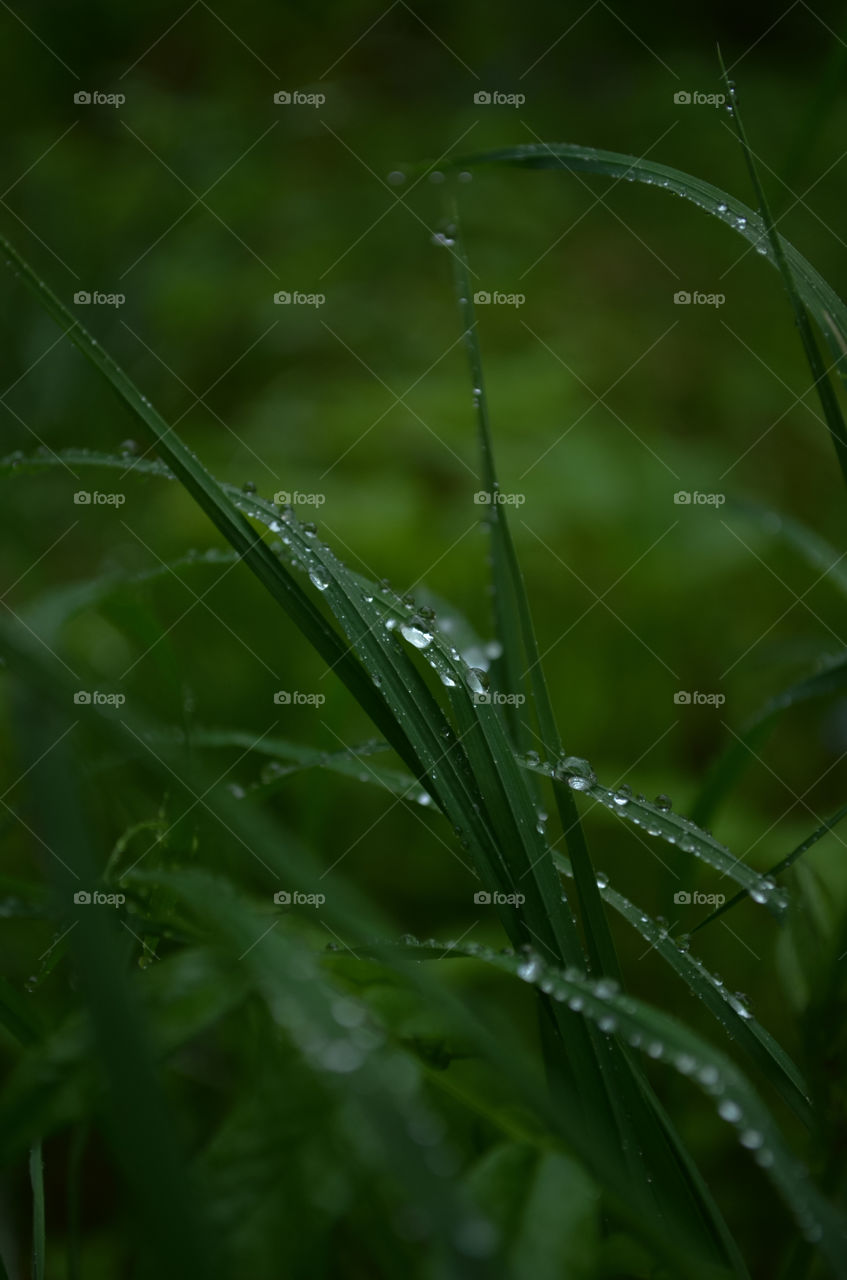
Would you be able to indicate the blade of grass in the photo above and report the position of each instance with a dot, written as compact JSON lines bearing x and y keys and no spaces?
{"x":826,"y":393}
{"x":782,"y":865}
{"x":39,"y":1227}
{"x":824,"y":304}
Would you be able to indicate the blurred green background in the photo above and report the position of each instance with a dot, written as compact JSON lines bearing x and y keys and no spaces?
{"x":200,"y":197}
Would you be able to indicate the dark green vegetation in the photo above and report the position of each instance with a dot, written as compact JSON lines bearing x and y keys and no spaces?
{"x":328,"y":950}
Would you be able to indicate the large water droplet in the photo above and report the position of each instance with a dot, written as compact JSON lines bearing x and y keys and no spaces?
{"x":415,"y":635}
{"x":319,"y":579}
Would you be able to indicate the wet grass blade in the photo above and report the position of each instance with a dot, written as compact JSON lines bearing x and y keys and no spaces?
{"x":733,"y":1015}
{"x":823,"y":303}
{"x":826,"y":393}
{"x":671,"y":827}
{"x":782,"y":865}
{"x":39,"y":1227}
{"x":663,"y":1038}
{"x":519,"y":642}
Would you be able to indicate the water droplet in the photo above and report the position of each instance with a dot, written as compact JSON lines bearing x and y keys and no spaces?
{"x":608,"y":1023}
{"x":663,"y":802}
{"x":623,"y":795}
{"x":606,"y":988}
{"x":722,"y":208}
{"x":465,"y":176}
{"x":447,"y":679}
{"x":602,"y":880}
{"x":310,"y":528}
{"x":751,"y":1139}
{"x":729,"y":1110}
{"x":415,"y":635}
{"x":396,"y":177}
{"x":530,"y":969}
{"x":248,"y":487}
{"x":319,"y":579}
{"x":439,"y":238}
{"x":476,"y":680}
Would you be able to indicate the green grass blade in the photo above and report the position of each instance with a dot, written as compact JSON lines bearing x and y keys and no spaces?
{"x":826,"y":393}
{"x":783,"y":864}
{"x":733,"y":1015}
{"x":668,"y":825}
{"x":821,"y":300}
{"x":39,"y":1226}
{"x":725,"y":771}
{"x":511,"y":602}
{"x":663,"y":1038}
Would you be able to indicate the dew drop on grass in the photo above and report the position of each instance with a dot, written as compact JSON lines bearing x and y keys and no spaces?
{"x":415,"y":635}
{"x":722,"y":208}
{"x":602,"y":880}
{"x":623,"y":795}
{"x":663,"y":802}
{"x":530,"y":969}
{"x":447,"y":679}
{"x":319,"y":579}
{"x":751,"y":1139}
{"x":476,"y":680}
{"x":439,"y":238}
{"x":396,"y":177}
{"x":608,"y":1023}
{"x":729,"y":1110}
